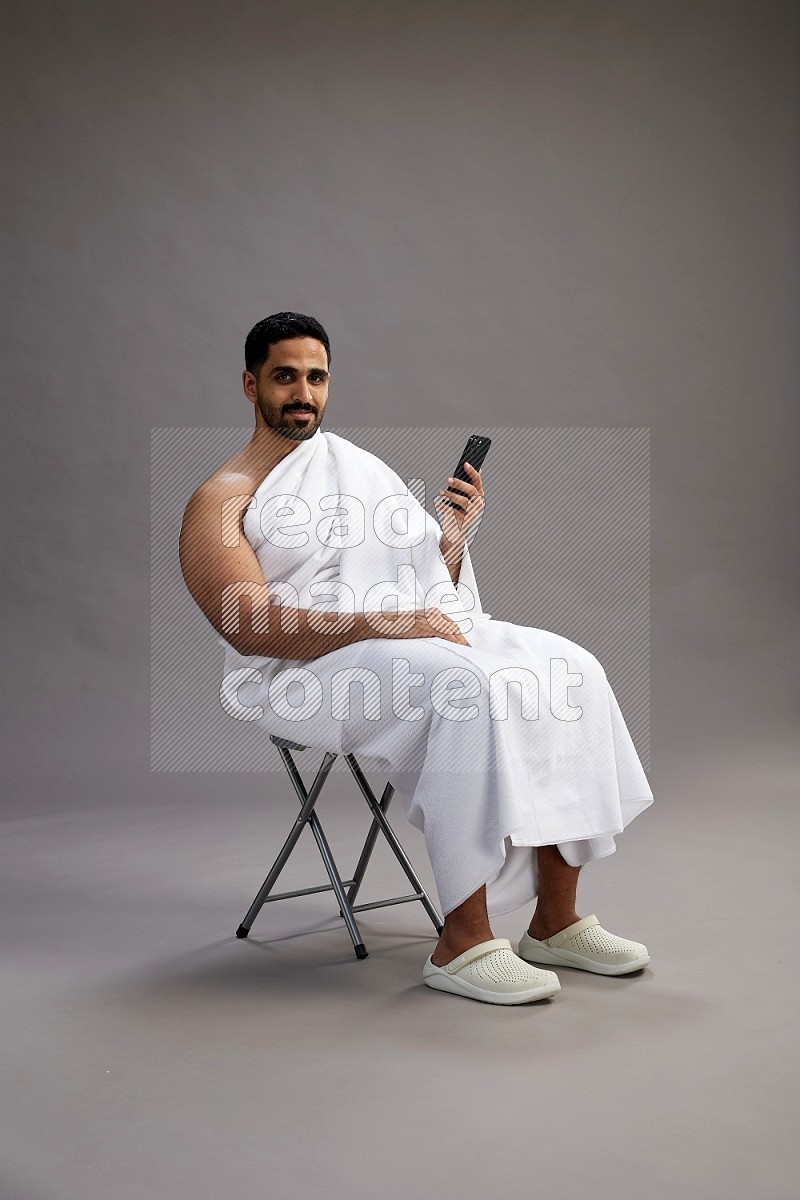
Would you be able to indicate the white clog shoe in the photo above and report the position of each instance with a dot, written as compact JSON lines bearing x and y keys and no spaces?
{"x":585,"y":944}
{"x":493,"y":973}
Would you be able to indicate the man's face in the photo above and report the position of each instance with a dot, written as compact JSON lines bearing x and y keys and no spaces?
{"x":291,"y":390}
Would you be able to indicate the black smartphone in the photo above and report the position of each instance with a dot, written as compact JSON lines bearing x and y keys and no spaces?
{"x":474,"y":452}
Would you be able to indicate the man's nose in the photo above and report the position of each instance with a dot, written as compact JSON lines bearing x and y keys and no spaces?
{"x":303,"y":393}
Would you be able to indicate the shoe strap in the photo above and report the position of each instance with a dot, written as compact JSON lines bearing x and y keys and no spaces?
{"x":573,"y":930}
{"x":477,"y":952}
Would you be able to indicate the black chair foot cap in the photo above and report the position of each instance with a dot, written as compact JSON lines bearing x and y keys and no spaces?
{"x":241,"y":932}
{"x":361,"y":950}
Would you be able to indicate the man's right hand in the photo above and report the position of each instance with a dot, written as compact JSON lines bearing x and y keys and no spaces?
{"x":416,"y":623}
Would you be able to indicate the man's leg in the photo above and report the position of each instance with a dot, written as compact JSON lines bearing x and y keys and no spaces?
{"x":468,"y":924}
{"x":464,"y":927}
{"x":555,"y":904}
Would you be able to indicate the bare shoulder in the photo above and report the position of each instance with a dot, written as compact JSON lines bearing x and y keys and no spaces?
{"x":232,"y":483}
{"x":211,"y":548}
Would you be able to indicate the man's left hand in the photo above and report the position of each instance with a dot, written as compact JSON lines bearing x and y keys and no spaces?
{"x":458,"y":520}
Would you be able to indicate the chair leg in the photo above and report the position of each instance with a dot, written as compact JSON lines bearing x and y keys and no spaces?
{"x":308,"y":800}
{"x":369,"y":846}
{"x":391,"y":837}
{"x":338,"y":887}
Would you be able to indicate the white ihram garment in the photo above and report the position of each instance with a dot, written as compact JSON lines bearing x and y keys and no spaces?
{"x":483,"y":790}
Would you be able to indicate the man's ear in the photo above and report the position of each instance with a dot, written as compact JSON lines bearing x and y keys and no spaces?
{"x":249,"y":385}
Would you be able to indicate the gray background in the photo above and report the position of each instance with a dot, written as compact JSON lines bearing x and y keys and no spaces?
{"x":520,"y":214}
{"x":540,"y":215}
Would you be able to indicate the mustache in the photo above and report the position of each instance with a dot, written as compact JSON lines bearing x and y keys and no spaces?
{"x":300,"y":408}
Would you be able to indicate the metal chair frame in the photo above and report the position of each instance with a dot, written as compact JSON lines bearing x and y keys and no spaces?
{"x":307,"y":816}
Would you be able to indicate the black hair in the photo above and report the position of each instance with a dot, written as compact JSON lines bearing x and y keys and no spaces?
{"x":278,"y":328}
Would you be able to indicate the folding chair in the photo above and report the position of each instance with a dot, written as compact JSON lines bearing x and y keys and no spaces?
{"x":307,"y":816}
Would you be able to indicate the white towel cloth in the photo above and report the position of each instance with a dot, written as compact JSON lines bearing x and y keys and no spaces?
{"x":485,"y":771}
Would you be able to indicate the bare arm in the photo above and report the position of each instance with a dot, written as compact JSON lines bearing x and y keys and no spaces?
{"x":225,"y":579}
{"x":452,"y":557}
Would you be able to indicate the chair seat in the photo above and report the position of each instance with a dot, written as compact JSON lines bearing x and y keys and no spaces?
{"x":279,"y":741}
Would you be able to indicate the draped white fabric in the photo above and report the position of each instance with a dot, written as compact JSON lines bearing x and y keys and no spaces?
{"x":514,"y":741}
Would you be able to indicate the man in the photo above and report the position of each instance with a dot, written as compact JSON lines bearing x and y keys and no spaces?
{"x":511,"y":803}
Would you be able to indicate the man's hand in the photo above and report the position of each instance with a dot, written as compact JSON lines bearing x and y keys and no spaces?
{"x":415,"y":623}
{"x":457,"y":521}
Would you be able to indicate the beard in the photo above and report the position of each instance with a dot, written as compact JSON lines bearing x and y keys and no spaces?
{"x":284,"y":422}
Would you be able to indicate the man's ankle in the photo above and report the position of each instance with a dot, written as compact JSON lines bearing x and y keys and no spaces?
{"x":450,"y":945}
{"x":544,"y":926}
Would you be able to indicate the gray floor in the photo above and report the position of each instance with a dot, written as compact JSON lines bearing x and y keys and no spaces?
{"x":147,"y":1052}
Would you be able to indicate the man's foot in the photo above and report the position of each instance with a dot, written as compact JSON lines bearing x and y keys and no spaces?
{"x":586,"y":945}
{"x":493,"y":973}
